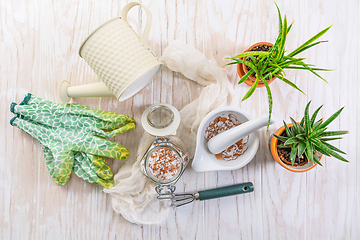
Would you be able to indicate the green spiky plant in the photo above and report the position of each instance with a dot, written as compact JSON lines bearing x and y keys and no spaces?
{"x":310,"y":136}
{"x":270,"y":64}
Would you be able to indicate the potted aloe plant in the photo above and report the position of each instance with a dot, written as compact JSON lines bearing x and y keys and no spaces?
{"x":299,"y":146}
{"x":263,"y":62}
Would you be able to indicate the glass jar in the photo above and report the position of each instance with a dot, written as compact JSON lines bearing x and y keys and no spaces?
{"x":163,"y":162}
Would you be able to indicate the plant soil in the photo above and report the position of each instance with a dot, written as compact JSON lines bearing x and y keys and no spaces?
{"x":259,"y":48}
{"x":284,"y":154}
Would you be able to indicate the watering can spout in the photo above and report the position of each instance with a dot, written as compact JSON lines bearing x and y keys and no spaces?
{"x":225,"y":139}
{"x":99,"y":89}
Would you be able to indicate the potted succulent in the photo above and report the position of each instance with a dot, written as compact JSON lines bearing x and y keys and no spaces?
{"x":263,"y":62}
{"x":299,"y":146}
{"x":243,"y":69}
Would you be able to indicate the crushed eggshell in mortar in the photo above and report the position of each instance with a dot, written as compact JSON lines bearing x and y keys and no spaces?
{"x":221,"y":124}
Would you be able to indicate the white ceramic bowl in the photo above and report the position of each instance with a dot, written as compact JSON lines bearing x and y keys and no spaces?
{"x":204,"y":160}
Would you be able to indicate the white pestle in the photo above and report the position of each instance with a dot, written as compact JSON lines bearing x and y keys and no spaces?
{"x":225,"y":139}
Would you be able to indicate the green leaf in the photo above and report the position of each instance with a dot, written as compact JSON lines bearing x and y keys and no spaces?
{"x":283,"y":39}
{"x":293,"y":131}
{"x":317,"y":133}
{"x":243,"y":78}
{"x":263,"y":57}
{"x":325,"y":148}
{"x":301,"y":149}
{"x":293,"y":152}
{"x":271,"y":54}
{"x":321,"y":151}
{"x":280,"y":20}
{"x":303,"y":68}
{"x":307,"y":120}
{"x":260,"y":65}
{"x":330,"y":139}
{"x":313,"y":117}
{"x":270,"y":103}
{"x":288,"y":29}
{"x":278,"y":74}
{"x":296,"y":126}
{"x":282,"y":146}
{"x":302,"y":122}
{"x":306,"y":66}
{"x":333,"y":148}
{"x":252,"y":89}
{"x":317,"y":161}
{"x":317,"y":125}
{"x":289,"y":83}
{"x":311,"y":70}
{"x":309,"y":151}
{"x":291,"y":141}
{"x":304,"y":45}
{"x":254,"y":60}
{"x":301,"y":137}
{"x":251,"y":65}
{"x":281,"y":138}
{"x":247,"y":63}
{"x":236,"y":62}
{"x":332,"y":133}
{"x":250,"y":53}
{"x":307,"y":47}
{"x":274,"y":67}
{"x":287,"y":130}
{"x":286,"y":58}
{"x":272,"y":72}
{"x":330,"y":119}
{"x":286,"y":64}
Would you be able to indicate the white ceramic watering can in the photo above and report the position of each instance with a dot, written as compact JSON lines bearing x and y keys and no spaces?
{"x":121,"y":59}
{"x":205,"y":159}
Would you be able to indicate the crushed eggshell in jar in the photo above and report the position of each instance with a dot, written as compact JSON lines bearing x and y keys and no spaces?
{"x":163,"y":141}
{"x":164,"y":163}
{"x":221,"y":124}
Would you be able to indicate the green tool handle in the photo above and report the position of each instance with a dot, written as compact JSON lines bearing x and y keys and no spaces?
{"x":226,"y":191}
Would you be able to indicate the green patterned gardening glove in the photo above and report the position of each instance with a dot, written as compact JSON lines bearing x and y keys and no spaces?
{"x":72,"y":137}
{"x":91,"y":168}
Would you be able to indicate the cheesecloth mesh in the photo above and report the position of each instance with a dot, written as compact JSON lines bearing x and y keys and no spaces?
{"x":133,"y":195}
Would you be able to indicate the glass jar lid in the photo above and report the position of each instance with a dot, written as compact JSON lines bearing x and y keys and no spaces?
{"x":160,"y":120}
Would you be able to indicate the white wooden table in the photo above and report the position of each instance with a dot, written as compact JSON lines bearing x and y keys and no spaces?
{"x":38,"y":50}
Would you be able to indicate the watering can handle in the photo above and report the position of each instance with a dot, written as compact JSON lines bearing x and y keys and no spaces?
{"x":146,"y":31}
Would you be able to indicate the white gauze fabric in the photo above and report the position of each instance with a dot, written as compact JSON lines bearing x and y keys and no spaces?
{"x":133,"y":195}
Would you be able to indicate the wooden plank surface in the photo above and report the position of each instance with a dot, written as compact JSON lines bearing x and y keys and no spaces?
{"x":39,"y":42}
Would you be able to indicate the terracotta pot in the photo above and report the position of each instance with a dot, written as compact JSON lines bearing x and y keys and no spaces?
{"x":273,"y":149}
{"x":242,"y":70}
